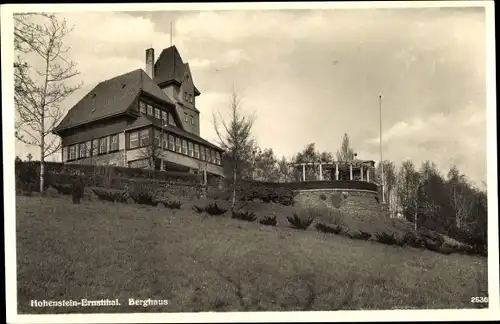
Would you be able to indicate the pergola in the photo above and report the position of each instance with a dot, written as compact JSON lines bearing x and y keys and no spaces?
{"x":355,"y":168}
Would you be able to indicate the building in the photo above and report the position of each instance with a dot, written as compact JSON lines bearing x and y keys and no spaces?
{"x":141,"y":119}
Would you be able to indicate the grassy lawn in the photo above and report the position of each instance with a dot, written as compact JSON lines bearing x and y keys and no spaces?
{"x":102,"y":250}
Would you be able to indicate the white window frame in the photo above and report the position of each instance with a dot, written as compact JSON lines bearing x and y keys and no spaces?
{"x":184,"y":147}
{"x":134,"y":138}
{"x":191,"y":149}
{"x":197,"y":151}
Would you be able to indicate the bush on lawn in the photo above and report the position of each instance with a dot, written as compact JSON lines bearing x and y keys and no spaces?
{"x":77,"y":190}
{"x":324,"y":228}
{"x":299,"y":223}
{"x":359,"y":235}
{"x":413,"y":240}
{"x":269,"y":220}
{"x":199,"y":210}
{"x":172,"y":204}
{"x":242,"y":215}
{"x":64,"y":189}
{"x":387,"y":238}
{"x":214,"y":210}
{"x":111,"y":194}
{"x":144,"y":197}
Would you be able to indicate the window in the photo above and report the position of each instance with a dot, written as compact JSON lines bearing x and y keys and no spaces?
{"x":103,"y":145}
{"x":157,"y":113}
{"x":95,"y":147}
{"x":218,"y":161}
{"x":203,"y":157}
{"x":190,"y":147}
{"x":190,"y":98}
{"x":72,"y":152}
{"x":164,"y":117}
{"x":134,"y":140}
{"x":184,"y":147}
{"x":142,"y":107}
{"x":185,"y":96}
{"x":113,"y":143}
{"x":165,"y":140}
{"x":192,"y":120}
{"x":150,"y":110}
{"x":171,"y":142}
{"x":178,"y":144}
{"x":65,"y":154}
{"x":197,"y":151}
{"x":185,"y":117}
{"x":81,"y":154}
{"x":157,"y":135}
{"x":209,"y":156}
{"x":144,"y":137}
{"x":88,"y":148}
{"x":171,"y":120}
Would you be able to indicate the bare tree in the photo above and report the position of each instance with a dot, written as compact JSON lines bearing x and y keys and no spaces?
{"x":462,"y":198}
{"x":390,"y":181}
{"x":346,"y":153}
{"x":39,"y":89}
{"x":151,"y":153}
{"x":235,"y":137}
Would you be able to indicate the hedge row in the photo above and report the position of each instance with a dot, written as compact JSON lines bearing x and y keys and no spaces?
{"x":28,"y":175}
{"x":30,"y":171}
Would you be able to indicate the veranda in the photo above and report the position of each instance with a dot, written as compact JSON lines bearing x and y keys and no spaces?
{"x":356,"y":170}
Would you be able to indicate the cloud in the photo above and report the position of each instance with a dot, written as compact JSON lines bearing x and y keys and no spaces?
{"x":458,"y":138}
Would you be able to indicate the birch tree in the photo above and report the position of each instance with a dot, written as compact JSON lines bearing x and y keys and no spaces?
{"x":42,"y":74}
{"x":235,"y":138}
{"x":461,"y":197}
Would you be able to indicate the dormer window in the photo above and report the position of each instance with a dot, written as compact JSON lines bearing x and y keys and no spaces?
{"x":142,"y":107}
{"x":185,"y":117}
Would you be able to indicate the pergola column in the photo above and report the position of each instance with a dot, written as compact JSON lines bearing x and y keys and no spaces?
{"x":320,"y":171}
{"x":303,"y":172}
{"x":336,"y":171}
{"x":368,"y":174}
{"x":350,"y":171}
{"x":361,"y":168}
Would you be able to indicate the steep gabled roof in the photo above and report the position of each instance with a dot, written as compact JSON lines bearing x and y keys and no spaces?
{"x":112,"y":97}
{"x":170,"y":68}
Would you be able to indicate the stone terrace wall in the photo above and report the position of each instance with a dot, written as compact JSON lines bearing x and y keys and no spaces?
{"x":350,"y":201}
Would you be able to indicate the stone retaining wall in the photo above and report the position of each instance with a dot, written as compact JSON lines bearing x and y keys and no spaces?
{"x":359,"y":202}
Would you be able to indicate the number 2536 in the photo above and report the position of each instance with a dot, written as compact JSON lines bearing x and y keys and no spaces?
{"x":479,"y":299}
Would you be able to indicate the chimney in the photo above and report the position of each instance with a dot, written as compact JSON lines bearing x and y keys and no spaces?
{"x":150,"y":62}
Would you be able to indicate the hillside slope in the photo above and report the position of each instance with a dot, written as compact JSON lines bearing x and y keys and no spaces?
{"x":203,"y":263}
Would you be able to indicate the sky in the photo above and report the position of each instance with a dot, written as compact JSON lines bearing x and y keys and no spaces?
{"x":310,"y":76}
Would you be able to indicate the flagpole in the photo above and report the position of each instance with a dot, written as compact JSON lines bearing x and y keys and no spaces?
{"x":381,"y":158}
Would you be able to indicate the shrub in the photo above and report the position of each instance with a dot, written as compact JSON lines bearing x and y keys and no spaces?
{"x":335,"y":229}
{"x":246,"y":216}
{"x":199,"y":210}
{"x":386,"y":238}
{"x":77,"y":190}
{"x":174,"y":204}
{"x":322,"y":197}
{"x":214,"y":210}
{"x":428,"y":234}
{"x":299,"y":223}
{"x":111,"y":194}
{"x":269,"y":220}
{"x":359,"y":235}
{"x":144,"y":197}
{"x":64,"y":189}
{"x":413,"y":240}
